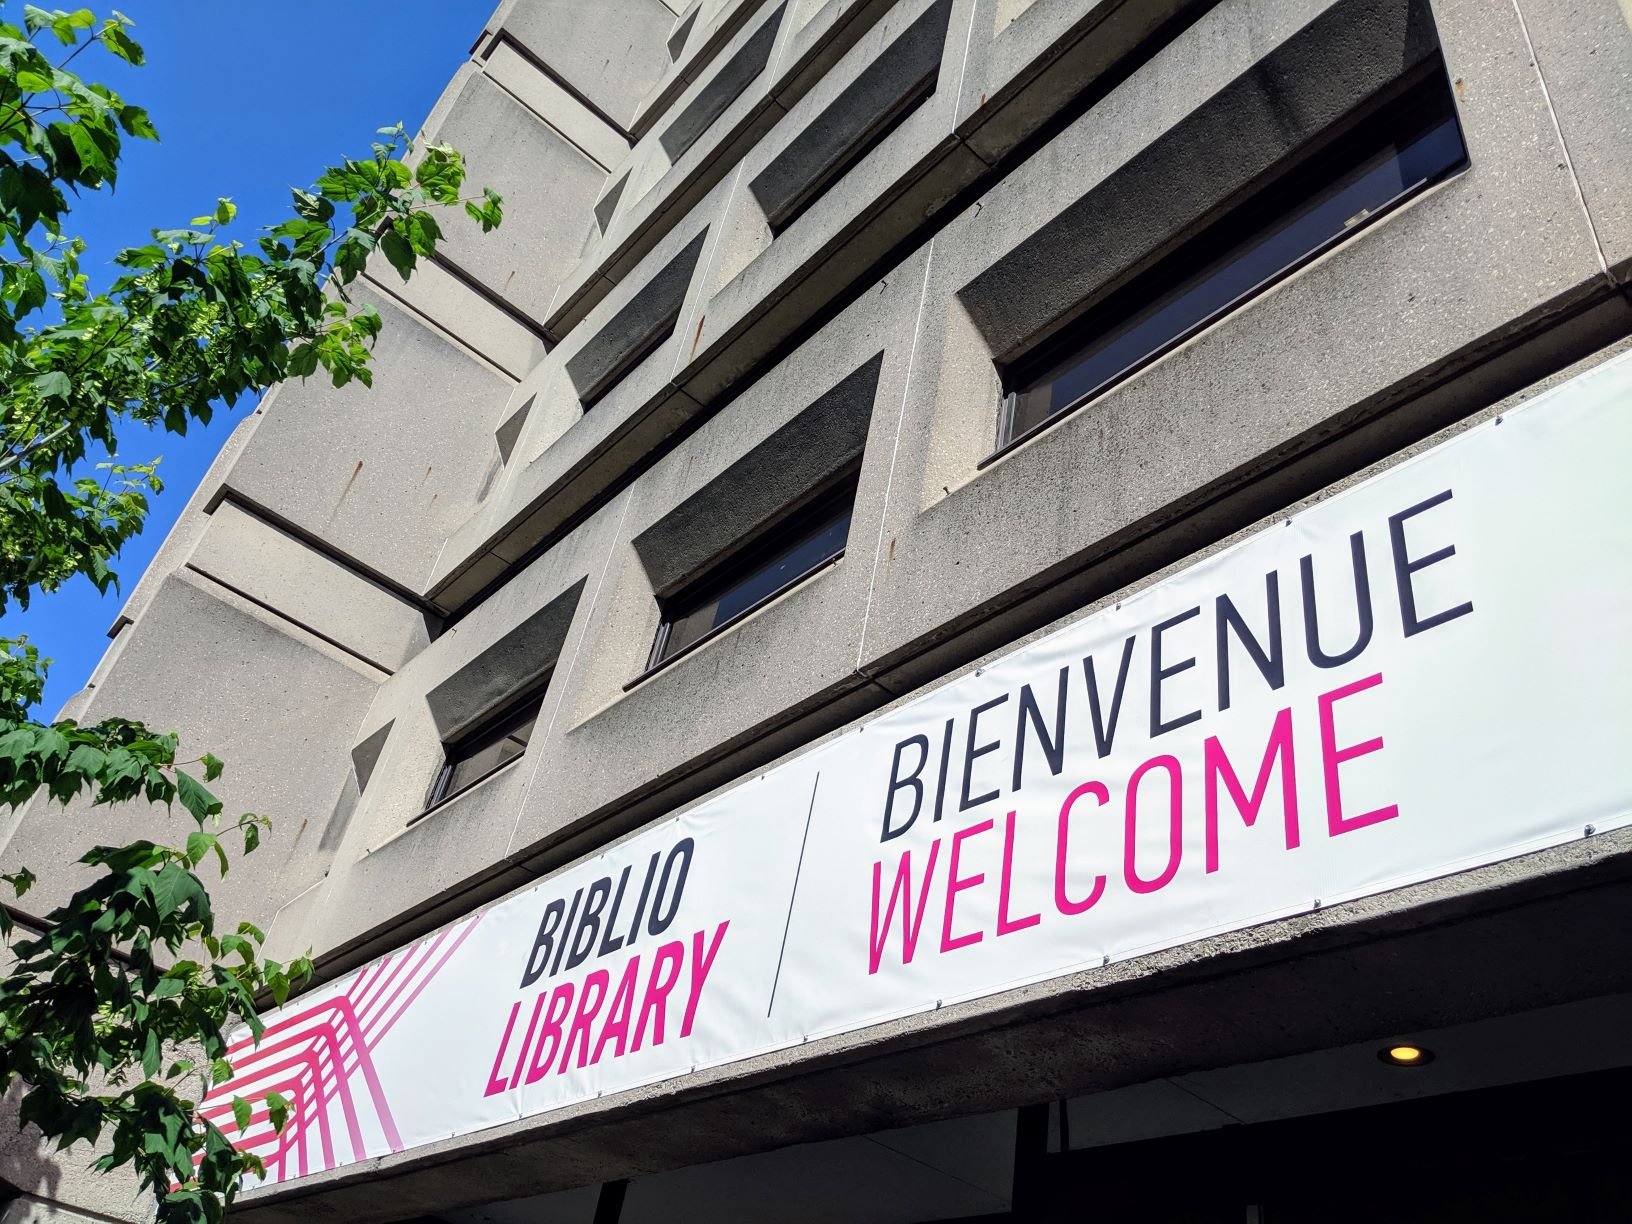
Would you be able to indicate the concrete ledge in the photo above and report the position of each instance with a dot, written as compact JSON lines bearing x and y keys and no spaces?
{"x":632,"y":332}
{"x":505,"y":667}
{"x":1289,"y":99}
{"x":722,"y":88}
{"x":723,"y":515}
{"x":878,"y":94}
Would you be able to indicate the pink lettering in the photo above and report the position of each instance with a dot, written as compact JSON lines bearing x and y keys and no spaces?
{"x":911,"y":923}
{"x":700,"y":963}
{"x":1175,"y":824}
{"x":1216,"y":765}
{"x":549,"y":1035}
{"x":1006,"y":925}
{"x":532,"y":1024}
{"x":956,"y":884}
{"x":617,"y":1016}
{"x":1062,"y":852}
{"x":495,"y":1081}
{"x":1332,"y":756}
{"x":590,"y":997}
{"x":665,"y":972}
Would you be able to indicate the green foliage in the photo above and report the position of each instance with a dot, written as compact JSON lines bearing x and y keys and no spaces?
{"x":112,"y":1015}
{"x":111,"y":986}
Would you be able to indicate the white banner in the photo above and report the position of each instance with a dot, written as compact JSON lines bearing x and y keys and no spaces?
{"x":1426,"y":673}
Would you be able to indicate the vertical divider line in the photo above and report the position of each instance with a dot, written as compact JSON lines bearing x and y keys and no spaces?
{"x":1569,"y":162}
{"x":689,"y":327}
{"x":889,"y":482}
{"x":793,"y":894}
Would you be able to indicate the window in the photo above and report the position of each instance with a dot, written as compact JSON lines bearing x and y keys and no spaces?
{"x":797,"y":548}
{"x":1381,"y":161}
{"x":488,"y":748}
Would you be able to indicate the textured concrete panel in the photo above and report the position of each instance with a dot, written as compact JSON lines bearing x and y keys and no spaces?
{"x":503,"y":668}
{"x":542,"y":95}
{"x":457,"y":842}
{"x":721,"y":88}
{"x":483,"y":658}
{"x":549,"y":186}
{"x":58,"y":1187}
{"x":371,"y":471}
{"x":190,"y":524}
{"x":771,"y":285}
{"x":611,"y":52}
{"x":755,"y":680}
{"x":366,"y":755}
{"x":1028,"y":59}
{"x":607,"y":206}
{"x":471,"y":318}
{"x":1584,"y":50}
{"x":567,"y":459}
{"x":281,"y":712}
{"x":662,"y":195}
{"x":258,"y":560}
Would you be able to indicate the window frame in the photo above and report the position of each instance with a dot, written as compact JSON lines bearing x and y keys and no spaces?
{"x":723,"y":574}
{"x":1172,"y":270}
{"x":525,"y":706}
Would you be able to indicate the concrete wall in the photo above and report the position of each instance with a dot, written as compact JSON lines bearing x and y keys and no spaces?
{"x":639,"y":370}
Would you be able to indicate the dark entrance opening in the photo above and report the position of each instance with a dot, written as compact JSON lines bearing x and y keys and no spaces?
{"x":1547,"y":1150}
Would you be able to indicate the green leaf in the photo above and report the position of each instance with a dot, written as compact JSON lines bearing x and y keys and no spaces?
{"x":198,"y":801}
{"x":122,"y":44}
{"x":199,"y":844}
{"x":17,"y":743}
{"x":136,"y":122}
{"x":277,"y":1109}
{"x":302,"y":360}
{"x":53,"y":384}
{"x":212,"y":767}
{"x":241,"y":1113}
{"x":225,"y":211}
{"x":398,"y":251}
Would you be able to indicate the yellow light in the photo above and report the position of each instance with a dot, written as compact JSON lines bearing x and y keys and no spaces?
{"x":1405,"y":1055}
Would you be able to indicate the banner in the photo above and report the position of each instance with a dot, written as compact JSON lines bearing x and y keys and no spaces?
{"x":1426,"y":673}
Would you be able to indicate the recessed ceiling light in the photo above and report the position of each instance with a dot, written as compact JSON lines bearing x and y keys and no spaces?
{"x":1404,"y":1055}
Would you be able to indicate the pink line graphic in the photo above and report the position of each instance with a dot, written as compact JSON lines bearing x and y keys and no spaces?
{"x":320,"y":1058}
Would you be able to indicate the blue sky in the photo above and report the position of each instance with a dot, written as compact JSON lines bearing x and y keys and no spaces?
{"x":251,"y":98}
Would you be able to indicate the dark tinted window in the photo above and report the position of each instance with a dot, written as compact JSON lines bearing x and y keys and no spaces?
{"x":486,"y":750}
{"x":807,"y":541}
{"x":1409,"y":145}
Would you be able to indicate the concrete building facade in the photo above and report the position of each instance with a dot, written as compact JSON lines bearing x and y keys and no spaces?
{"x":832,"y":350}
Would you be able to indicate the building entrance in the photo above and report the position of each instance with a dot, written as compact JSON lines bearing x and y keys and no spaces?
{"x":1548,"y":1150}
